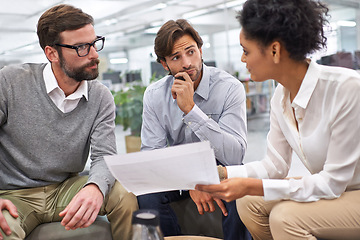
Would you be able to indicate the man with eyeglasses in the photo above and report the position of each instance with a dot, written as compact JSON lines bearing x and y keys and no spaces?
{"x":51,"y":115}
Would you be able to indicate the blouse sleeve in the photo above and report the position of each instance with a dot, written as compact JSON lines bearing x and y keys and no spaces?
{"x":277,"y":161}
{"x":342,"y":156}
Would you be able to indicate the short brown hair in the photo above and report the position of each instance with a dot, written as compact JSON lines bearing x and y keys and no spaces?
{"x":58,"y":19}
{"x":169,"y":33}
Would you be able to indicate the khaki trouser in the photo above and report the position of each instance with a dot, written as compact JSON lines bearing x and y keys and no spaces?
{"x":326,"y":219}
{"x":43,"y":204}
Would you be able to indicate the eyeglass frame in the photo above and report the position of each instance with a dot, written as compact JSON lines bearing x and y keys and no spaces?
{"x":89,"y":44}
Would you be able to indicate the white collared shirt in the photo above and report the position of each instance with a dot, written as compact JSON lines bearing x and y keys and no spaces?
{"x":57,"y":95}
{"x":327,"y":141}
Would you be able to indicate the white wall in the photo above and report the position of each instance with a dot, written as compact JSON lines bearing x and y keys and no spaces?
{"x":141,"y":58}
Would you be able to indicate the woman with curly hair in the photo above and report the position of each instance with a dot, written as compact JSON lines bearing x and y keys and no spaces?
{"x":315,"y":113}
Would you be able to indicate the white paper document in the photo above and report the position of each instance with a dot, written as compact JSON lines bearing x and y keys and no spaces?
{"x":173,"y":168}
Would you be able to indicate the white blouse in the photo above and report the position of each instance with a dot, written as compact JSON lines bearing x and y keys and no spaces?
{"x":327,"y":109}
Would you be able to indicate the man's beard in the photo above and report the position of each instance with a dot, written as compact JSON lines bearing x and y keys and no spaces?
{"x":80,"y":73}
{"x":193,"y":78}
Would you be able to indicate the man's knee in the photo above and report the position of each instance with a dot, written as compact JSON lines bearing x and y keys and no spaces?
{"x":120,"y":197}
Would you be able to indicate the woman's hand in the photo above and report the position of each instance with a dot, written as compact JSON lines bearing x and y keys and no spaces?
{"x":233,"y":188}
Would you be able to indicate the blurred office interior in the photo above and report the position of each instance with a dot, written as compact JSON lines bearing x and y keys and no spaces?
{"x":130,"y":27}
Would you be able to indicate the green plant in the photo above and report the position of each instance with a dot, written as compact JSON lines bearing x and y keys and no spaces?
{"x":129,"y":107}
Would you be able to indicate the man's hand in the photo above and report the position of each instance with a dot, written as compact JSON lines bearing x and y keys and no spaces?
{"x":205,"y":202}
{"x":183,"y":92}
{"x":233,"y":188}
{"x":6,"y":205}
{"x":83,"y":208}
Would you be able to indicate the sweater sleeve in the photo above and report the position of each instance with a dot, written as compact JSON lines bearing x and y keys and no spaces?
{"x":102,"y":142}
{"x":3,"y":98}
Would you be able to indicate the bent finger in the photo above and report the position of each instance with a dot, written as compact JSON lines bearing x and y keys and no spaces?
{"x":200,"y":208}
{"x":4,"y":225}
{"x":205,"y":205}
{"x":211,"y":206}
{"x":221,"y":206}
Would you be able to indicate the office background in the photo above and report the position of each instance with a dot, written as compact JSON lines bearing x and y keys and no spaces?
{"x":130,"y":28}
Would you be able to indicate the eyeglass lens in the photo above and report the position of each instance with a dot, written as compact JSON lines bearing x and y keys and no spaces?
{"x":84,"y":50}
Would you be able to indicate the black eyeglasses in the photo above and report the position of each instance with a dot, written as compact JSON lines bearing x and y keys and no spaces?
{"x":83,"y":49}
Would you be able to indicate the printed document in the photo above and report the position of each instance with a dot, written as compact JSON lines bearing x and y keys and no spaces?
{"x":179,"y":167}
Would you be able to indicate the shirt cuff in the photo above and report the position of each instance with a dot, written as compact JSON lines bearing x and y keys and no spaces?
{"x":236,"y":171}
{"x":276,"y":189}
{"x":195,"y":116}
{"x":104,"y":184}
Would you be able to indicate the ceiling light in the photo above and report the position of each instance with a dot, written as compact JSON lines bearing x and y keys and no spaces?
{"x":118,"y":60}
{"x":207,"y":45}
{"x":160,"y":6}
{"x":153,"y":30}
{"x":231,"y":4}
{"x":346,"y":23}
{"x":156,"y":23}
{"x":110,"y":21}
{"x":195,"y":13}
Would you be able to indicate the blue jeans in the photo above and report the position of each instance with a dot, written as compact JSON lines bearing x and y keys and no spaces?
{"x":233,"y":228}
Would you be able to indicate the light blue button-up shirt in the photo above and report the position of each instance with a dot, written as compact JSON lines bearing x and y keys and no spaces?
{"x":219,"y":116}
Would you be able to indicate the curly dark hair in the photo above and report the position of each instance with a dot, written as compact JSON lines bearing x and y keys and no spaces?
{"x":298,"y":24}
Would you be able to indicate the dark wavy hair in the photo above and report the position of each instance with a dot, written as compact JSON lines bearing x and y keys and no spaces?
{"x":169,"y":33}
{"x":297,"y":24}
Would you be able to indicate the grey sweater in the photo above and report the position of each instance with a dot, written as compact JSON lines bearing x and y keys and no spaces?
{"x":41,"y":145}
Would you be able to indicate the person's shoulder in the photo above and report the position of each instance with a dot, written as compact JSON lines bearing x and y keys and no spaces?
{"x":160,"y":86}
{"x":97,"y":88}
{"x":99,"y":93}
{"x":338,"y":74}
{"x":217,"y":74}
{"x":97,"y":84}
{"x":223,"y":80}
{"x":19,"y":74}
{"x":23,"y":67}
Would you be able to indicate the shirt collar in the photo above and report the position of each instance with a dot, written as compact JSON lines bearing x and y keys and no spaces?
{"x":307,"y":87}
{"x":203,"y":89}
{"x":51,"y":84}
